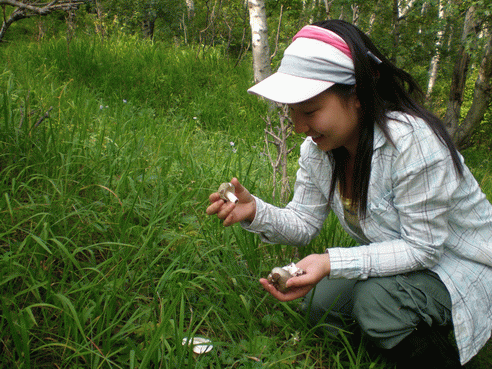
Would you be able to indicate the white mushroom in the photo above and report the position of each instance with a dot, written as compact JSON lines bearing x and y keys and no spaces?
{"x":279,"y":276}
{"x":200,"y":345}
{"x":226,"y":192}
{"x":294,"y":270}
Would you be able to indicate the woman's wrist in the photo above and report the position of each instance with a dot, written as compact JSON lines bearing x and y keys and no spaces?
{"x":326,"y":263}
{"x":252,"y":213}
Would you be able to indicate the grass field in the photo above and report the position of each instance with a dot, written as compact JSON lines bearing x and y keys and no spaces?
{"x":108,"y":154}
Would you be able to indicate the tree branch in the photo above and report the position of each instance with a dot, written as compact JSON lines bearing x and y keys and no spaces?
{"x":26,"y":10}
{"x":43,"y":9}
{"x":481,"y":99}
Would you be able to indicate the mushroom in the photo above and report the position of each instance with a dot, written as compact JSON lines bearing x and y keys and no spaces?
{"x":279,"y":276}
{"x":226,"y":192}
{"x":200,"y":345}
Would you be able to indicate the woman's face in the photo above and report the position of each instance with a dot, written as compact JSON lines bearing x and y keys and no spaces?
{"x":330,"y":121}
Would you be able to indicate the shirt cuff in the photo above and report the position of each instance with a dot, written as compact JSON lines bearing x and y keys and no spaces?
{"x":345,"y":263}
{"x":255,"y":225}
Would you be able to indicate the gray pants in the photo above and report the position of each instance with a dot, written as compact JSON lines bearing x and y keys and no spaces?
{"x":387,"y":309}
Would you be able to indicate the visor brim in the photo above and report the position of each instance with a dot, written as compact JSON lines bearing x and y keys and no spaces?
{"x":287,"y":89}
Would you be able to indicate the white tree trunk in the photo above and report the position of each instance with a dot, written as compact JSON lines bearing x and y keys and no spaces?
{"x":437,"y":56}
{"x":259,"y":31}
{"x":328,"y":7}
{"x":425,"y":7}
{"x":401,"y":8}
{"x":190,"y":6}
{"x":355,"y":14}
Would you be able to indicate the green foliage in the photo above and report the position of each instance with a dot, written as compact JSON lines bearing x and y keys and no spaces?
{"x":107,"y":256}
{"x":183,"y":81}
{"x":131,"y":14}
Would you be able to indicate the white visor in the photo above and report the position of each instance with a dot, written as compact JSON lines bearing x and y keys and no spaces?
{"x":288,"y":89}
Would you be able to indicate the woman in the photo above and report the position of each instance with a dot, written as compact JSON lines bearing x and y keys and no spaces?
{"x":389,"y":171}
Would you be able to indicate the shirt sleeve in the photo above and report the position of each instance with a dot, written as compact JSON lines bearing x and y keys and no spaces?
{"x":302,"y":219}
{"x":423,"y":180}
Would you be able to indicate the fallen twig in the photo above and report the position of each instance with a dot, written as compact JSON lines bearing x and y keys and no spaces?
{"x":46,"y":115}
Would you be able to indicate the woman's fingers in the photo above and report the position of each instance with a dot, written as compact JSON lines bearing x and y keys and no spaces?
{"x":215,"y":206}
{"x":292,"y":294}
{"x":230,"y":212}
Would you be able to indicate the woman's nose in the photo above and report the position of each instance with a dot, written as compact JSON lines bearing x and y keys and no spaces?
{"x":299,"y":125}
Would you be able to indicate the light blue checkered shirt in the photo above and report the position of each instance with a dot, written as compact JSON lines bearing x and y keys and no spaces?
{"x":421,"y":214}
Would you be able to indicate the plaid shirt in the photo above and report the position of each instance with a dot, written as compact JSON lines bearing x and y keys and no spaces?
{"x":421,"y":214}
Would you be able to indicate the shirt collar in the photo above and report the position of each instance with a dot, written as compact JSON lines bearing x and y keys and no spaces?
{"x":379,"y":137}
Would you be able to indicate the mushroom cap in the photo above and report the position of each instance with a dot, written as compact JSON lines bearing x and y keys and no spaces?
{"x":278,"y":277}
{"x":226,"y":186}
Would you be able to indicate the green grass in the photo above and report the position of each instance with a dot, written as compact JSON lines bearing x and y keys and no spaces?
{"x":107,"y":257}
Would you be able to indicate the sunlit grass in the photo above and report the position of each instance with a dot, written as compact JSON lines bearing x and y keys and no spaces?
{"x":107,"y":257}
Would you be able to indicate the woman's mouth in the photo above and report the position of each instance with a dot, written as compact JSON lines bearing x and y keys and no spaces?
{"x":317,"y":139}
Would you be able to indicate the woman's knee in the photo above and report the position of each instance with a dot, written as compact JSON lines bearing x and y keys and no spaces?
{"x":369,"y":297}
{"x":379,"y":313}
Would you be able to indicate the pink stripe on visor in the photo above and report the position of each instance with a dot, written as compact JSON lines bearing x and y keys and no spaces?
{"x":327,"y":36}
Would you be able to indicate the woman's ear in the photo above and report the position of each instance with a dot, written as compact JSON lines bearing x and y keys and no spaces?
{"x":356,"y":98}
{"x":357,"y":102}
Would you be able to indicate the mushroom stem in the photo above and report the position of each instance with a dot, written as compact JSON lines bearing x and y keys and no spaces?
{"x":231,"y":197}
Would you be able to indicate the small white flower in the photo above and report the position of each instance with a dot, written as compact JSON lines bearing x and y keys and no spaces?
{"x":231,"y":143}
{"x":195,"y":118}
{"x":295,"y":337}
{"x":125,"y":101}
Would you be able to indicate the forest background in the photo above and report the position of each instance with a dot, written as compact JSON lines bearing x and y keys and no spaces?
{"x":118,"y":118}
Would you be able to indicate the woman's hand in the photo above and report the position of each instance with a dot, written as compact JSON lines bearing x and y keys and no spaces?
{"x":316,"y":266}
{"x":244,"y":209}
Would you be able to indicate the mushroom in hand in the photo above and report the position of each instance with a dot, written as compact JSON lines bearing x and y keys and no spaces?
{"x":226,"y":192}
{"x":279,"y":276}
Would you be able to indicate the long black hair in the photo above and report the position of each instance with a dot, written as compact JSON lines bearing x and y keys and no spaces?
{"x":380,"y":87}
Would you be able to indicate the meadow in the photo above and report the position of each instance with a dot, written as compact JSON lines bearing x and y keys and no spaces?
{"x":109,"y":151}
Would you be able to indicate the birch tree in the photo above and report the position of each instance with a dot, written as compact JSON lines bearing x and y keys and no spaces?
{"x":327,"y":7}
{"x":190,"y":5}
{"x":355,"y":14}
{"x":372,"y":17}
{"x":401,"y":8}
{"x":276,"y":133}
{"x":437,"y":54}
{"x":259,"y":33}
